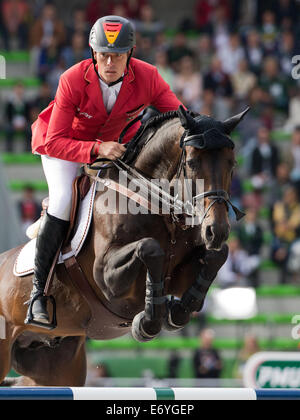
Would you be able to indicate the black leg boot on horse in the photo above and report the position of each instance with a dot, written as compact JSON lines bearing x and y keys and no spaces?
{"x":51,"y":234}
{"x":180,"y":310}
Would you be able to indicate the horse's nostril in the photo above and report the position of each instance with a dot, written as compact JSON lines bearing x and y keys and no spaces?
{"x":209,"y":233}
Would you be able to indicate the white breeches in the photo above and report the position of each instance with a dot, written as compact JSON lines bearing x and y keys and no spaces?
{"x":60,"y":175}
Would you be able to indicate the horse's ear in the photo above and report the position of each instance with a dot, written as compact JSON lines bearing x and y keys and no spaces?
{"x":187,"y":121}
{"x":230,"y":124}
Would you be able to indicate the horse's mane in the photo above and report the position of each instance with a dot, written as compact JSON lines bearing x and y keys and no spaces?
{"x":156,"y":121}
{"x":146,"y":130}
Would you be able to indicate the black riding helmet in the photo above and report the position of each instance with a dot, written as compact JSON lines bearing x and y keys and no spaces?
{"x":112,"y":34}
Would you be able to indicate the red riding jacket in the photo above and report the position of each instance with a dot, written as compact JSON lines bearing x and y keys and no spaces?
{"x":68,"y":127}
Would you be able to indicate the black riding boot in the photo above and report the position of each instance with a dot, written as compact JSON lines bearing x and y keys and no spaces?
{"x":51,"y":235}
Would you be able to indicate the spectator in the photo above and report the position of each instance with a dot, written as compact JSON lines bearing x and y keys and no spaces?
{"x":236,"y":189}
{"x":219,"y":82}
{"x":29,"y":208}
{"x":244,"y":13}
{"x":254,"y":51}
{"x":238,"y":267}
{"x":119,"y":10}
{"x":173,"y":364}
{"x":269,"y":31}
{"x":15,"y":20}
{"x":147,"y":25}
{"x":77,"y":51}
{"x":47,"y":27}
{"x":286,"y":52}
{"x":204,"y":52}
{"x":17,"y":111}
{"x":221,"y":27}
{"x":178,"y":49}
{"x":96,"y":9}
{"x":243,"y":81}
{"x":48,"y":58}
{"x":208,"y":103}
{"x":203,"y":15}
{"x":161,"y":42}
{"x":231,"y":54}
{"x":162,"y":65}
{"x":206,"y":360}
{"x":265,"y":158}
{"x":54,"y":75}
{"x":78,"y":23}
{"x":249,"y":348}
{"x":47,"y":31}
{"x":189,"y":83}
{"x":286,"y":229}
{"x":133,"y":8}
{"x":285,"y":9}
{"x":274,"y":84}
{"x":43,"y":98}
{"x":145,"y":51}
{"x":292,"y":157}
{"x":283,"y":180}
{"x":250,"y":235}
{"x":248,"y":129}
{"x":294,"y":112}
{"x":254,"y":198}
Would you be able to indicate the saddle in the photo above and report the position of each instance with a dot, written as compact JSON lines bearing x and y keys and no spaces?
{"x":103,"y":324}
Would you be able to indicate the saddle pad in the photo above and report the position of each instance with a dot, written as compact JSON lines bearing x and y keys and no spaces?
{"x":25,"y":260}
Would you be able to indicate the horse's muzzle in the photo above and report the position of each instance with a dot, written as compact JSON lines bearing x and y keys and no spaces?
{"x":215,"y":235}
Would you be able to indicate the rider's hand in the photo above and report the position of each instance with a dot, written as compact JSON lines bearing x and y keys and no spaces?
{"x":111,"y":150}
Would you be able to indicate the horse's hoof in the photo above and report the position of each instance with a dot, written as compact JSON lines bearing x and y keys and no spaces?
{"x":137,"y":330}
{"x":176,"y":317}
{"x":168,"y":324}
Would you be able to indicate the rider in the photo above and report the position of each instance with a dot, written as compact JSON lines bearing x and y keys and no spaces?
{"x":94,"y":102}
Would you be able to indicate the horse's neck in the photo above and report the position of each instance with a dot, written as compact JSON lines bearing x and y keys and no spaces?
{"x":160,"y":157}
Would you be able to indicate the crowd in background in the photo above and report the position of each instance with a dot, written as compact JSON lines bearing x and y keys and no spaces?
{"x":230,"y":55}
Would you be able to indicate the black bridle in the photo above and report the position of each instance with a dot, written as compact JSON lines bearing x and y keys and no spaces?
{"x":212,"y":139}
{"x":209,"y":140}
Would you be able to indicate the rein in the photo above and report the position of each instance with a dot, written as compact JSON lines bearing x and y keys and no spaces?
{"x":175,"y":205}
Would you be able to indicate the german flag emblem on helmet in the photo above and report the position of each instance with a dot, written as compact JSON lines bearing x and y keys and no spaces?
{"x":112,"y":31}
{"x":112,"y":34}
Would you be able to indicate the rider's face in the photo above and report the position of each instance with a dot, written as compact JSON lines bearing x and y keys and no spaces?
{"x":111,"y":66}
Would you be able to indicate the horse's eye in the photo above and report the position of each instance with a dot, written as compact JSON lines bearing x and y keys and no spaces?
{"x":232,"y":163}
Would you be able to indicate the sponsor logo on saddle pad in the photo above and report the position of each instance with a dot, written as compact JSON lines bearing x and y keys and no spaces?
{"x":25,"y":260}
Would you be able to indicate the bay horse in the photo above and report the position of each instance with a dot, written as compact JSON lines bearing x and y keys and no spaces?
{"x":132,"y":263}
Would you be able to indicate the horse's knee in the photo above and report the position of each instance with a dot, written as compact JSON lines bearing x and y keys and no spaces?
{"x":149,"y":248}
{"x":214,"y":260}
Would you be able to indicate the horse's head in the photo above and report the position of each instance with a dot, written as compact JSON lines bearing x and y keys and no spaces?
{"x":209,"y":156}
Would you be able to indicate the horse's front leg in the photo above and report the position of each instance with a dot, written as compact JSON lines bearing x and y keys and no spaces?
{"x":192,"y":300}
{"x":147,"y":324}
{"x":121,"y":272}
